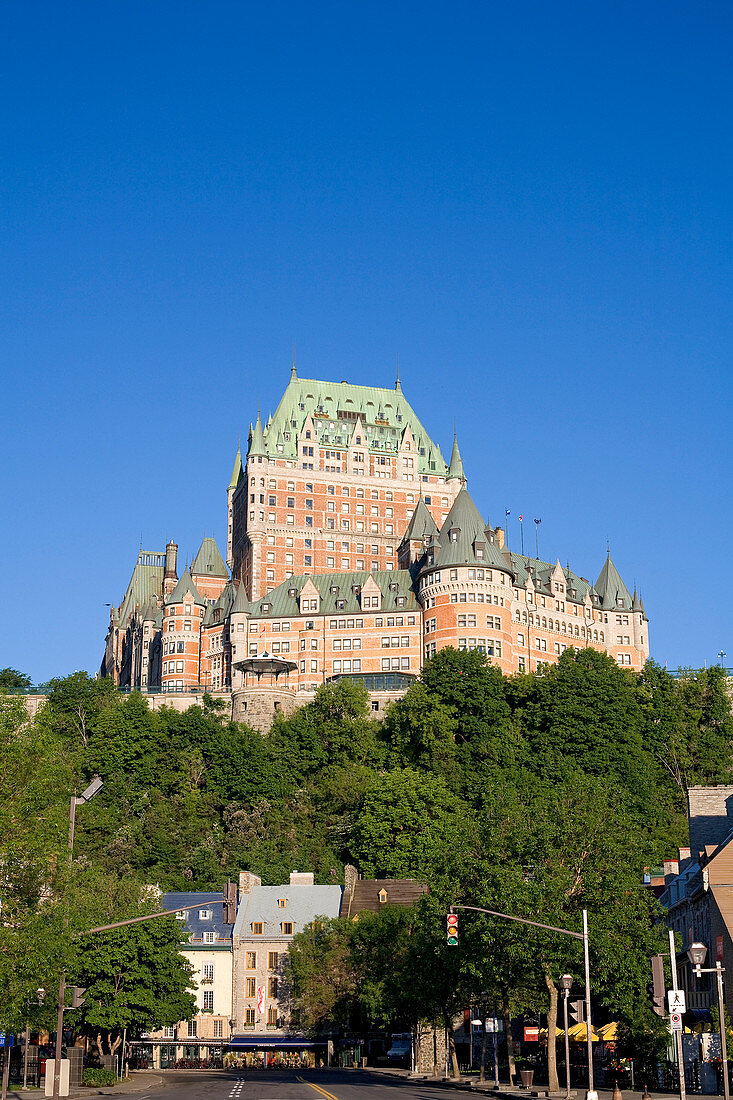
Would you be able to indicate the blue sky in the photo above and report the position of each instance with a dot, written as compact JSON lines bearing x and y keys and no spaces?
{"x":528,"y":204}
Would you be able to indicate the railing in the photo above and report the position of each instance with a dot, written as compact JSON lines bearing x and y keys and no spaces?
{"x":682,"y":673}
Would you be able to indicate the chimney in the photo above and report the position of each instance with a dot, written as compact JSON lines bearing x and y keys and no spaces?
{"x":248,"y":881}
{"x":499,"y":537}
{"x":351,"y":877}
{"x":170,"y":577}
{"x":671,"y":870}
{"x":301,"y":878}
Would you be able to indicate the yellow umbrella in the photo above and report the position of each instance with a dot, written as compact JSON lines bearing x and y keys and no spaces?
{"x":558,"y":1032}
{"x":579,"y":1033}
{"x":609,"y":1032}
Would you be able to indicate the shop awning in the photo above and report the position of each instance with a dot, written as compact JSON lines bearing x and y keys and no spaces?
{"x":275,"y":1042}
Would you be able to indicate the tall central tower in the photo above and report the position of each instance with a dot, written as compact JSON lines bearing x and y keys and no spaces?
{"x":329,"y":484}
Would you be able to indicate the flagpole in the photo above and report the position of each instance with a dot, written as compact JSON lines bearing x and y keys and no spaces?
{"x":507,"y":514}
{"x":537,"y":523}
{"x":521,"y":532}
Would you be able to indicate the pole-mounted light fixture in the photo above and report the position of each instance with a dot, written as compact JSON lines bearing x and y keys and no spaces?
{"x":697,"y":953}
{"x":565,"y":981}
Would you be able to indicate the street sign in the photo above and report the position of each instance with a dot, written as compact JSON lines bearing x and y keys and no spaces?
{"x":676,"y":1000}
{"x":675,"y":1021}
{"x":531,"y":1035}
{"x":6,"y":1040}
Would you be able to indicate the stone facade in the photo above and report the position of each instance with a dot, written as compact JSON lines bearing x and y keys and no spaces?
{"x":353,"y":549}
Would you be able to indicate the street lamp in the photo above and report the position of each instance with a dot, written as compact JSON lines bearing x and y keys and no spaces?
{"x":566,"y":984}
{"x":722,"y":656}
{"x":76,"y":800}
{"x":697,"y":954}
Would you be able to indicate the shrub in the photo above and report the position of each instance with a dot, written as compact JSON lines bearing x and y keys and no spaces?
{"x":96,"y":1077}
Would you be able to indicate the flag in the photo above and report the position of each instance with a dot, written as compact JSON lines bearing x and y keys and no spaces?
{"x":521,"y":517}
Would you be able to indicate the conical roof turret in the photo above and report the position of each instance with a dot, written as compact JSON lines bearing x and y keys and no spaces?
{"x":455,"y":470}
{"x":610,"y":588}
{"x":257,"y":439}
{"x":237,"y":471}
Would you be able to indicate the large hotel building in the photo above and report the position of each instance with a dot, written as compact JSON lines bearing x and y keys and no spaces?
{"x":353,"y":549}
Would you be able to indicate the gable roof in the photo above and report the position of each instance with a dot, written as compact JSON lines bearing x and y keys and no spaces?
{"x":145,"y":584}
{"x":209,"y":901}
{"x":303,"y":903}
{"x":237,"y":471}
{"x":209,"y":561}
{"x":365,"y":895}
{"x":335,"y":408}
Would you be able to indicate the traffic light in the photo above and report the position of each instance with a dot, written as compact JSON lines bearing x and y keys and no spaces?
{"x":77,"y":996}
{"x":452,"y":930}
{"x":656,"y":986}
{"x":229,"y":895}
{"x":577,"y":1011}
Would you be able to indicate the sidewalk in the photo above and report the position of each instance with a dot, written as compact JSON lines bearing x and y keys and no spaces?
{"x":138,"y":1081}
{"x":505,"y":1091}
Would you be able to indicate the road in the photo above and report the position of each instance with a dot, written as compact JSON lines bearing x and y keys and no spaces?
{"x":254,"y":1084}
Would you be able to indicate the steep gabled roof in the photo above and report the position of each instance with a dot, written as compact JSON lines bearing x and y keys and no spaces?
{"x":257,"y":439}
{"x":186,"y":585}
{"x":241,"y":603}
{"x":145,"y":584}
{"x":208,"y":561}
{"x":335,"y":408}
{"x":611,"y":588}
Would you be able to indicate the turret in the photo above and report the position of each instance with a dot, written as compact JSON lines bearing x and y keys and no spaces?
{"x":455,"y":470}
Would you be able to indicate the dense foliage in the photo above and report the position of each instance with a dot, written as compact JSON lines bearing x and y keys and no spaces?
{"x":539,"y":794}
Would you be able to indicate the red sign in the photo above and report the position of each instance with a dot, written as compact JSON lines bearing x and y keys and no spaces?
{"x":531,"y":1035}
{"x":719,"y":949}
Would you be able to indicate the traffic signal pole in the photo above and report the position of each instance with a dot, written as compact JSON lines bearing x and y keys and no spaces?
{"x":591,"y":1093}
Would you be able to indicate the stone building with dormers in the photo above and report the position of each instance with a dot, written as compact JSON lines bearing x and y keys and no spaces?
{"x":353,"y":550}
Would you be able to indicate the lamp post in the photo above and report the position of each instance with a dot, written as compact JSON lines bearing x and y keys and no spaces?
{"x":566,"y":984}
{"x":722,"y":656}
{"x":697,"y":954}
{"x":76,"y":800}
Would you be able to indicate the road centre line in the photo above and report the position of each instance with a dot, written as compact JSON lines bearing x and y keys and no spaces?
{"x":328,"y":1095}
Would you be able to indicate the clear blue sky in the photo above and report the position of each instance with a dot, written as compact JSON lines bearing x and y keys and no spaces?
{"x":529,"y":203}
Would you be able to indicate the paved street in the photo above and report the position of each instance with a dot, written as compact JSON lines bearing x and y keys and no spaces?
{"x":330,"y":1084}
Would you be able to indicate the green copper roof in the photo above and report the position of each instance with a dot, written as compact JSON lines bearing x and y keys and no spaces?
{"x":422,"y":526}
{"x":283,"y":604}
{"x":241,"y":603}
{"x":462,"y":532}
{"x":334,"y":406}
{"x":145,"y":584}
{"x":209,"y":561}
{"x":611,"y":588}
{"x":257,"y":439}
{"x":186,"y":585}
{"x":237,"y":471}
{"x":456,"y":463}
{"x":542,"y":572}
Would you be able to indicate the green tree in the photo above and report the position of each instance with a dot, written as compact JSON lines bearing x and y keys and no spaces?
{"x":12,"y":680}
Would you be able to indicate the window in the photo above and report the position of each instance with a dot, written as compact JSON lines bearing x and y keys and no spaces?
{"x":251,"y":987}
{"x":205,"y":914}
{"x":272,"y":1016}
{"x":218,"y":1032}
{"x":272,"y":960}
{"x":207,"y":972}
{"x":257,"y":928}
{"x":251,"y":960}
{"x":192,"y":1029}
{"x":249,"y":1017}
{"x":286,"y":928}
{"x":207,"y":1000}
{"x":272,"y":987}
{"x":282,"y":902}
{"x":209,"y":937}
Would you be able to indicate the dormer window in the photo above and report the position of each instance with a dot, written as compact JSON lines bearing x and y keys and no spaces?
{"x":205,"y":914}
{"x":334,"y":589}
{"x":454,"y":534}
{"x":292,"y":592}
{"x":267,"y":606}
{"x":382,"y":896}
{"x":180,"y":915}
{"x":282,"y":902}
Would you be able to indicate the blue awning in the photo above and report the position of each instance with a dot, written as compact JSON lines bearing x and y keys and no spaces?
{"x":275,"y":1042}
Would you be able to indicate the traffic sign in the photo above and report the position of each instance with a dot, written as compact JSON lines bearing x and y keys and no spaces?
{"x":6,"y":1040}
{"x":676,"y":1000}
{"x":675,"y":1021}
